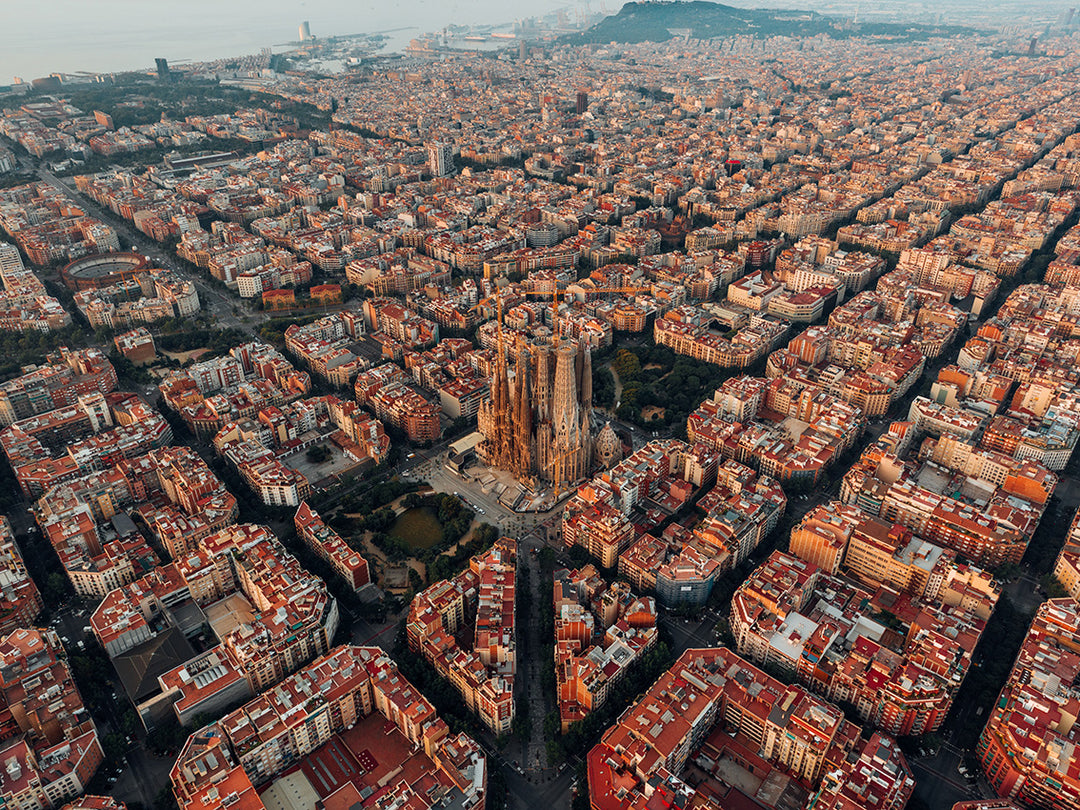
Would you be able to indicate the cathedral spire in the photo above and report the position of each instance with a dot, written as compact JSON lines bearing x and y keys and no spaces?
{"x":564,"y":402}
{"x":541,"y":426}
{"x":586,"y":380}
{"x":543,"y":386}
{"x":523,"y":417}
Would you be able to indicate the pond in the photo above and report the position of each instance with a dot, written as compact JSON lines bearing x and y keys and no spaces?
{"x":418,"y":527}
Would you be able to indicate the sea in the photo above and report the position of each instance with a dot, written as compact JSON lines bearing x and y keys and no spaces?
{"x":39,"y":37}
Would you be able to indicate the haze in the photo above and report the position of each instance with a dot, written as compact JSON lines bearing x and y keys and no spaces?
{"x":106,"y":35}
{"x":112,"y":35}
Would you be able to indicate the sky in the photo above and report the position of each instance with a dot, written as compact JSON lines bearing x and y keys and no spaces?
{"x":38,"y":37}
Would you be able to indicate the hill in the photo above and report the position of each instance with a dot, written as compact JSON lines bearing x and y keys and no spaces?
{"x":656,"y":22}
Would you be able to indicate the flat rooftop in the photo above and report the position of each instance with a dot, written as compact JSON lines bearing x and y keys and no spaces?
{"x":357,"y":762}
{"x":229,"y":613}
{"x":291,"y":792}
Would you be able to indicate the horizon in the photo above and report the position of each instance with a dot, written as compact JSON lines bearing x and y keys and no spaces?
{"x":72,"y":37}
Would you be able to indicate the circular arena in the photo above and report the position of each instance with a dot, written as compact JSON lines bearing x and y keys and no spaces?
{"x":102,"y":269}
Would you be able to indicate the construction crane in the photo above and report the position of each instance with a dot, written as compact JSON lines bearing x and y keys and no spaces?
{"x":556,"y":459}
{"x":624,"y":290}
{"x":554,"y":302}
{"x":497,"y":297}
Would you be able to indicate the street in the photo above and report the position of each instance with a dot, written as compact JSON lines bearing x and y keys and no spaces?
{"x":938,"y":783}
{"x":523,"y":794}
{"x":365,"y":634}
{"x":430,"y":468}
{"x":143,"y":777}
{"x":212,"y":299}
{"x":531,"y":780}
{"x":531,"y":661}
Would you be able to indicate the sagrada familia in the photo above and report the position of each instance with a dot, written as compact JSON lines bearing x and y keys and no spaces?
{"x":541,"y":427}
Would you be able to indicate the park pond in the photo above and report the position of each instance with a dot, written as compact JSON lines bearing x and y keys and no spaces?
{"x":418,"y":527}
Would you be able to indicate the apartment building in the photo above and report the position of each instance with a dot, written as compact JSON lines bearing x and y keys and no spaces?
{"x":898,"y":660}
{"x":347,"y":563}
{"x":50,"y":746}
{"x":483,"y":594}
{"x":241,"y":572}
{"x":61,"y":380}
{"x":20,"y":600}
{"x":1024,"y":749}
{"x":712,"y":703}
{"x":222,"y":765}
{"x":599,"y":632}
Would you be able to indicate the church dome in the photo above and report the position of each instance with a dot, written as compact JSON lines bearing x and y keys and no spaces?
{"x":608,"y":447}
